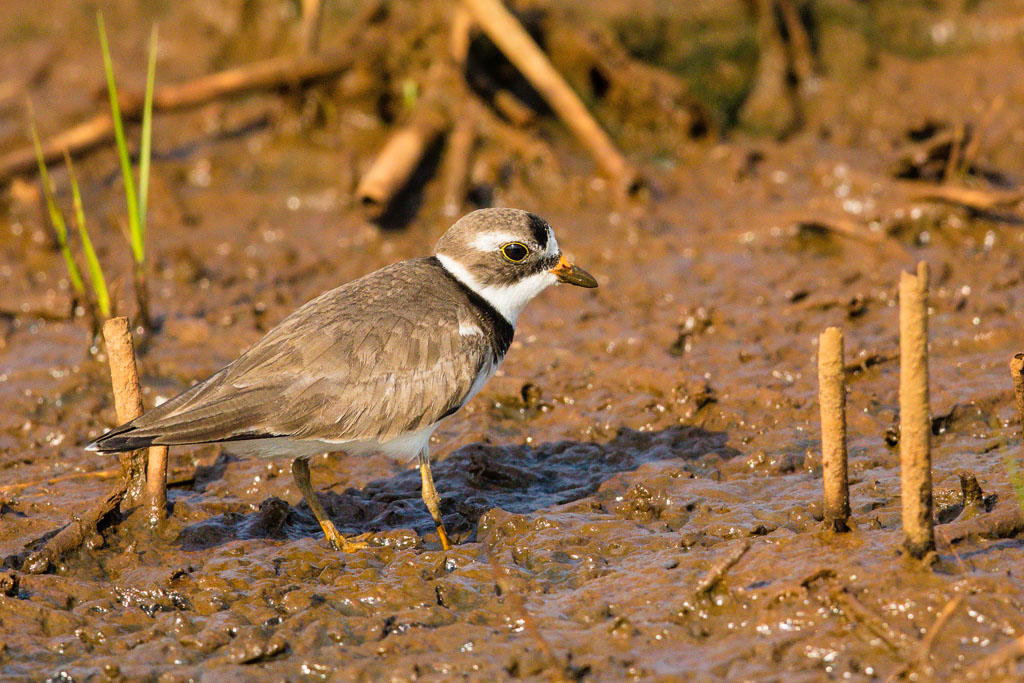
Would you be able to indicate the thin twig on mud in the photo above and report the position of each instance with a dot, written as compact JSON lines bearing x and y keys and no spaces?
{"x":869,"y":360}
{"x":75,"y":533}
{"x":49,"y":481}
{"x":855,"y":610}
{"x":717,"y":572}
{"x":972,"y":198}
{"x":924,"y":650}
{"x":920,"y":660}
{"x":1010,"y":652}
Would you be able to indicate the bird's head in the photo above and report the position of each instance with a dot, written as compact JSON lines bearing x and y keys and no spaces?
{"x":507,"y":256}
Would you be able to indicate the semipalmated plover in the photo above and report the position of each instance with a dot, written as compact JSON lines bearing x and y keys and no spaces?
{"x":374,"y":365}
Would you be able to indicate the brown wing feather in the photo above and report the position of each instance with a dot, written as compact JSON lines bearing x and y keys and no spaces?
{"x":369,"y":360}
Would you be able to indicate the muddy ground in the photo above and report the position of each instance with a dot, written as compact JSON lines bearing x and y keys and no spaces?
{"x":636,"y":435}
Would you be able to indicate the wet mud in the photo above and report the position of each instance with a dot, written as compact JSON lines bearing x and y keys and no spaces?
{"x":636,"y":436}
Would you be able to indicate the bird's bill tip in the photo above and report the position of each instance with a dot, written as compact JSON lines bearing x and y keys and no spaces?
{"x":573,"y":275}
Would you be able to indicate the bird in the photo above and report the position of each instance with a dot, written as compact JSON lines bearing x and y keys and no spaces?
{"x":375,"y":365}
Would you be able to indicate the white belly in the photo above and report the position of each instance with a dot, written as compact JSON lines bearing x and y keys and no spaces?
{"x":404,"y":447}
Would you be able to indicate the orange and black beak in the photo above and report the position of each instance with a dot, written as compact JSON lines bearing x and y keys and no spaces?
{"x":574,"y":275}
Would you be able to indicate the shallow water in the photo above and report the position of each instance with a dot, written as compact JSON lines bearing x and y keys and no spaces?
{"x":635,"y":435}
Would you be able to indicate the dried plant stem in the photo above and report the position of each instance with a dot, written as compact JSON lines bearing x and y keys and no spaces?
{"x":124,"y":377}
{"x":455,"y":170}
{"x":973,"y":198}
{"x":855,"y":610}
{"x":399,"y":158}
{"x":462,"y":25}
{"x":74,"y":534}
{"x":1010,"y":652}
{"x":312,"y":15}
{"x":915,"y":415}
{"x":955,"y":151}
{"x":1017,"y":371}
{"x":715,"y":574}
{"x":520,"y":49}
{"x":924,"y":651}
{"x":832,"y":397}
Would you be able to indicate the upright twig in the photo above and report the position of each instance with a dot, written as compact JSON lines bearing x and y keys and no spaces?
{"x":832,"y":398}
{"x":1017,"y":372}
{"x":512,"y":39}
{"x":312,"y":14}
{"x":915,"y":415}
{"x":124,"y":377}
{"x":455,"y":167}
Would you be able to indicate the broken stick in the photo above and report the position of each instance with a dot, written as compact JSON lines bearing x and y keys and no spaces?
{"x":832,"y":398}
{"x":74,"y":534}
{"x":715,"y":574}
{"x":455,"y":168}
{"x":1017,"y":372}
{"x":124,"y":376}
{"x":512,"y":39}
{"x":398,"y":159}
{"x":915,"y":415}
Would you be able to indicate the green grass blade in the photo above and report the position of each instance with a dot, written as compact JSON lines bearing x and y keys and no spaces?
{"x":99,"y":282}
{"x":145,"y":150}
{"x":56,"y":217}
{"x":138,"y":250}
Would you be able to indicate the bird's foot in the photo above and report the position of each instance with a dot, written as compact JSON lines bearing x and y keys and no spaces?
{"x":339,"y":542}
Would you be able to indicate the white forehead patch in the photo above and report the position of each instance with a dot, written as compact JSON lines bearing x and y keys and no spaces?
{"x":490,"y":241}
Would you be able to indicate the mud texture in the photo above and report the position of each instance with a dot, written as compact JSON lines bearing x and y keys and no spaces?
{"x":636,"y":435}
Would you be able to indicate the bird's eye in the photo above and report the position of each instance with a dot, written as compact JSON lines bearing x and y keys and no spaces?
{"x":516,"y":252}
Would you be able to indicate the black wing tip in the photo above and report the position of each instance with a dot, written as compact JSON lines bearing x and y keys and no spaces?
{"x":120,"y":440}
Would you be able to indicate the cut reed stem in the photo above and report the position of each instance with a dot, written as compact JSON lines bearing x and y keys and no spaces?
{"x":915,"y":414}
{"x":399,"y":157}
{"x":832,"y":398}
{"x":124,"y":378}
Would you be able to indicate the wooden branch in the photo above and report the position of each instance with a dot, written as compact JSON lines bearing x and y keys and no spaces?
{"x":398,"y":159}
{"x":972,"y":198}
{"x":72,"y":536}
{"x":455,"y":167}
{"x":512,"y":39}
{"x":312,"y":15}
